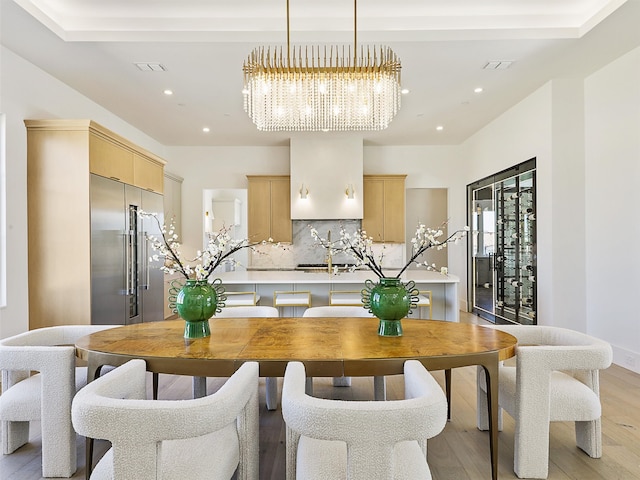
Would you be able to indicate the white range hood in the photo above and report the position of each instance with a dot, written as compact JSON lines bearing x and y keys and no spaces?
{"x":326,"y":167}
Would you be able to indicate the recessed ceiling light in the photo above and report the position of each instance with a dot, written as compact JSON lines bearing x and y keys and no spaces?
{"x":168,"y":92}
{"x":404,"y":91}
{"x":439,"y":128}
{"x":206,"y":129}
{"x":478,"y":90}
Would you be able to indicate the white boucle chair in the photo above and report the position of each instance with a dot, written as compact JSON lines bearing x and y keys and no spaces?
{"x":555,"y":378}
{"x":45,"y":396}
{"x":362,"y":440}
{"x":344,"y":311}
{"x":258,"y":311}
{"x":203,"y":438}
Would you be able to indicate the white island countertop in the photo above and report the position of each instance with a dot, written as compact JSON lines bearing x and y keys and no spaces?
{"x":444,"y":288}
{"x":298,"y":276}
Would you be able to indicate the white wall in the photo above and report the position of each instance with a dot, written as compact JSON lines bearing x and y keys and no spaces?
{"x":567,"y":175}
{"x":521,"y":133}
{"x":612,"y":121}
{"x":27,"y":92}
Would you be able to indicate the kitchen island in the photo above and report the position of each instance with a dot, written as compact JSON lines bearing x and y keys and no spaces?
{"x":444,"y":288}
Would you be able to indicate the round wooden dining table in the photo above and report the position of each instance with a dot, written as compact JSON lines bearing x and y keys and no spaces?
{"x":328,"y":347}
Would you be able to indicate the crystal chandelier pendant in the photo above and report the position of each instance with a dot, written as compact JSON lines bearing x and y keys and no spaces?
{"x":321,"y":88}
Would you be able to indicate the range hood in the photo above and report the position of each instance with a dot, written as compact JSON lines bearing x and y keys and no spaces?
{"x":324,"y":169}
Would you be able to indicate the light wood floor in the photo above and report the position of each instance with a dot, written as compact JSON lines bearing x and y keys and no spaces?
{"x":460,"y":452}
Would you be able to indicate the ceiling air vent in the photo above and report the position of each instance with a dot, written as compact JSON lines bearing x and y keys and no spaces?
{"x":497,"y":65}
{"x":150,"y":67}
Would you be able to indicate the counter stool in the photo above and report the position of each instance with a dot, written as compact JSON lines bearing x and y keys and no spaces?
{"x":424,"y":300}
{"x":284,"y":298}
{"x":352,"y":298}
{"x":241,"y":299}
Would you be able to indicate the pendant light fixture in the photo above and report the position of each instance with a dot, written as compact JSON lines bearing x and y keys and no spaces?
{"x":322,"y":88}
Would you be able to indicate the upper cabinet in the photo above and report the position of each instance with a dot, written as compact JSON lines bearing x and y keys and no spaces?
{"x":384,"y":207}
{"x":107,"y":154}
{"x":148,"y":174}
{"x":108,"y":159}
{"x":269,"y":208}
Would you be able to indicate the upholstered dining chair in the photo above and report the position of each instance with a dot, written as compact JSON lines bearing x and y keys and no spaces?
{"x":204,"y":438}
{"x":258,"y":311}
{"x":555,"y":378}
{"x":361,"y":440}
{"x":45,"y":396}
{"x":344,"y":311}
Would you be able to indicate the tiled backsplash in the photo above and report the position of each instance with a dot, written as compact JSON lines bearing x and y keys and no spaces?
{"x":304,"y":249}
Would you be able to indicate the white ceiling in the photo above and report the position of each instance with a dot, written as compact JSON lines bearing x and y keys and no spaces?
{"x":93,"y":45}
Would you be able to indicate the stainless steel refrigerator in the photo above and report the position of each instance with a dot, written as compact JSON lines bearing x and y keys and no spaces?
{"x":126,"y":285}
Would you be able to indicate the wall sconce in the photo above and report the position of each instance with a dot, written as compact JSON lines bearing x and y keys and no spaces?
{"x":207,"y":222}
{"x":350,"y":191}
{"x":304,"y":192}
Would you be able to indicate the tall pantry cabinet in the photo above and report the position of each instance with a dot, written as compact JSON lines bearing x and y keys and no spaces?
{"x":88,"y":252}
{"x":384,"y":207}
{"x":269,"y":208}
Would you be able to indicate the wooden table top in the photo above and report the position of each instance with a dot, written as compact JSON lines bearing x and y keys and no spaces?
{"x":328,"y":346}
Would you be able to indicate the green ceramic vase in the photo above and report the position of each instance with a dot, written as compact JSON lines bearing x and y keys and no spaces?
{"x":390,"y":301}
{"x":196,"y":302}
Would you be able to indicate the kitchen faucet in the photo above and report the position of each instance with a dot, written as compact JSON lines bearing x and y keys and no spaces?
{"x":329,"y":253}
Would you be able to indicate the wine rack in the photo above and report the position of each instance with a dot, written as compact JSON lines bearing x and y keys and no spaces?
{"x":502,"y":250}
{"x":515,"y":260}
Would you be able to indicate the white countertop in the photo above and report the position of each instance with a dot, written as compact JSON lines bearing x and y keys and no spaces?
{"x":296,"y":276}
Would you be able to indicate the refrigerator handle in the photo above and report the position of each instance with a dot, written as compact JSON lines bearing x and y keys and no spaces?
{"x":145,"y":260}
{"x":133,"y":281}
{"x":127,"y":261}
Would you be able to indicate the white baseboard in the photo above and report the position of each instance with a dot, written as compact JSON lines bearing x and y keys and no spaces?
{"x":626,"y":358}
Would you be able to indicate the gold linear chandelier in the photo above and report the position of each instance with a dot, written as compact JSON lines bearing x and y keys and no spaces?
{"x":322,"y":88}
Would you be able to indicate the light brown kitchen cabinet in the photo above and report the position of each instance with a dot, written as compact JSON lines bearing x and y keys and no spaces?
{"x":108,"y":159}
{"x":269,"y":208}
{"x":114,"y":157}
{"x":148,"y":174}
{"x":64,"y":157}
{"x":384,"y":207}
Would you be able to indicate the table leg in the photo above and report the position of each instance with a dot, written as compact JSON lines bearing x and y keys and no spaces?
{"x":88,"y":457}
{"x":93,"y":372}
{"x":379,"y":388}
{"x":447,"y":387}
{"x":199,"y":387}
{"x":272,"y":393}
{"x":155,"y":382}
{"x":308,"y":386}
{"x":491,"y":376}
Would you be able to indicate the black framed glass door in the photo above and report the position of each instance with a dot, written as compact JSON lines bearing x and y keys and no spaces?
{"x":502,"y":253}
